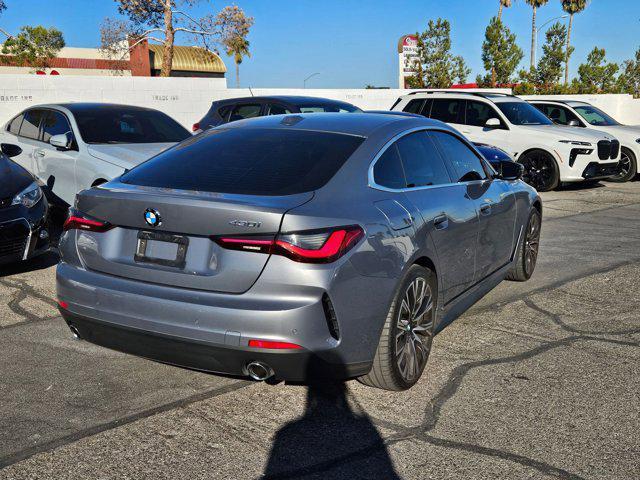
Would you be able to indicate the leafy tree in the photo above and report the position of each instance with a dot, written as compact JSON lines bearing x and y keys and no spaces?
{"x":549,"y":70}
{"x":235,"y":26}
{"x":500,"y":54}
{"x":503,"y":4}
{"x":629,"y":80}
{"x":3,"y":6}
{"x":34,"y":46}
{"x":535,"y":4}
{"x":597,"y":75}
{"x":571,"y":7}
{"x":435,"y":65}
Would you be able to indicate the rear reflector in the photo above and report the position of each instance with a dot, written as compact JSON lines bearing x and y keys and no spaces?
{"x":316,"y":246}
{"x":63,"y":304}
{"x":273,"y":345}
{"x":81,"y":221}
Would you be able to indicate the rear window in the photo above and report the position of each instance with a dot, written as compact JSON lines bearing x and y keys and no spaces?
{"x":329,"y":108}
{"x":111,"y":126}
{"x":248,"y":161}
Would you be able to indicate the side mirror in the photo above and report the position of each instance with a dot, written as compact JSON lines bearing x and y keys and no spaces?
{"x":493,"y":123}
{"x":62,"y":141}
{"x":10,"y":150}
{"x":508,"y":170}
{"x":573,"y":123}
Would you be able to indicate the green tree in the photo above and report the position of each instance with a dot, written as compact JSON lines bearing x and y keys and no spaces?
{"x":549,"y":69}
{"x":235,"y":26}
{"x":34,"y":46}
{"x":500,"y":54}
{"x":535,"y":4}
{"x":3,"y":6}
{"x":571,"y":7}
{"x":436,"y":66}
{"x":597,"y":75}
{"x":629,"y":80}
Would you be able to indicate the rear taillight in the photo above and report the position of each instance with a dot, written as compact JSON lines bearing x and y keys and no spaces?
{"x":317,"y":246}
{"x":81,"y":221}
{"x":196,"y":127}
{"x":254,"y":343}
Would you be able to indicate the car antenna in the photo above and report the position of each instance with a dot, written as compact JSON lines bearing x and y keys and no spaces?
{"x":251,"y":91}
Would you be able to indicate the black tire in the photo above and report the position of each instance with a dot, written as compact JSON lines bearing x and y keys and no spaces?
{"x":540,"y":170}
{"x":628,"y":167}
{"x":527,"y":253}
{"x":393,"y":369}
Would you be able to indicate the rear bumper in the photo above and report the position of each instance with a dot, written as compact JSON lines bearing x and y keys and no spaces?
{"x":291,"y":365}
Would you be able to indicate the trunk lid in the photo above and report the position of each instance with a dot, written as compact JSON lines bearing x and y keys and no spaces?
{"x":186,"y":222}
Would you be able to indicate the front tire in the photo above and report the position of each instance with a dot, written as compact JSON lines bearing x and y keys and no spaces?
{"x":628,"y":167}
{"x":405,"y":342}
{"x":527,"y":254}
{"x":540,"y":170}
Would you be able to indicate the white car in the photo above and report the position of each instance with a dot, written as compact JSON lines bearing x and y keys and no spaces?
{"x":582,"y":114}
{"x":551,"y":154}
{"x":75,"y":146}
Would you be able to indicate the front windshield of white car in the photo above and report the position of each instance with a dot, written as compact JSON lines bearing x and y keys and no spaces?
{"x":594,"y":116}
{"x":521,"y":113}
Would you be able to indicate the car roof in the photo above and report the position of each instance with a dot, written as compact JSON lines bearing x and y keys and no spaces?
{"x":495,"y":97}
{"x":361,"y":124}
{"x":293,"y":99}
{"x":74,"y":107}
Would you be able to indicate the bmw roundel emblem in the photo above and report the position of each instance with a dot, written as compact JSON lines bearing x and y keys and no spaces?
{"x":152,"y":217}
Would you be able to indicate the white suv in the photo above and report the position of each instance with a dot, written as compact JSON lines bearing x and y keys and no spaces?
{"x":550,"y":153}
{"x":582,"y":114}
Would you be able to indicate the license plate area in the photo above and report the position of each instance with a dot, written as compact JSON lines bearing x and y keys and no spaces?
{"x":163,"y":249}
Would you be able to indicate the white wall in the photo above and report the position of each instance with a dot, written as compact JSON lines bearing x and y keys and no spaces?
{"x":188,"y":99}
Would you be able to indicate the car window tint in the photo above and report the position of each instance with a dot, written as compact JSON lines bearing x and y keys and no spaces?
{"x":14,"y":126}
{"x":464,"y":161}
{"x":223,"y":112}
{"x":560,"y":115}
{"x":329,"y":108}
{"x":55,"y":123}
{"x":31,"y":124}
{"x":240,"y":112}
{"x":414,"y":106}
{"x":275,"y":109}
{"x":423,"y":164}
{"x":388,"y":172}
{"x":446,"y":110}
{"x":478,"y":113}
{"x":250,"y":161}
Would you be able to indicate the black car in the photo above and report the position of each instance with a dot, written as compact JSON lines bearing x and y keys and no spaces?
{"x":23,"y":211}
{"x":232,"y":109}
{"x":494,"y":155}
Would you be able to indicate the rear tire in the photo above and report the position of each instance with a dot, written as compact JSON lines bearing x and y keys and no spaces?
{"x":629,"y":167}
{"x":527,"y":253}
{"x":405,"y":342}
{"x":540,"y":170}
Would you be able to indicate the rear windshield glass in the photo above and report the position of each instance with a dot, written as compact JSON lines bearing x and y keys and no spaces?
{"x":99,"y":126}
{"x":248,"y":161}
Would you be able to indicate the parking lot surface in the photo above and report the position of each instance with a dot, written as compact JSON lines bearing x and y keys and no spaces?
{"x":539,"y":379}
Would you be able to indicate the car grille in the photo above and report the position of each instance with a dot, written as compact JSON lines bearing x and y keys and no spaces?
{"x":13,"y":239}
{"x":604,"y":149}
{"x":615,"y":148}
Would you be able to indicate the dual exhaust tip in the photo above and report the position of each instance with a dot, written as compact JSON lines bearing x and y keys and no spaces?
{"x":259,"y":371}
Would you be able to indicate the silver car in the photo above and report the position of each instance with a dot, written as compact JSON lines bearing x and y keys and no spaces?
{"x":73,"y":146}
{"x":291,"y":247}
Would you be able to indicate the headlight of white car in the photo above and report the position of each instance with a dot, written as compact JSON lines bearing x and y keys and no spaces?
{"x":577,"y":142}
{"x":637,"y":140}
{"x":29,"y":196}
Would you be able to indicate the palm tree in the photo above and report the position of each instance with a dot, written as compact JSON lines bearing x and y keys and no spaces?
{"x":535,"y":4}
{"x":504,"y":4}
{"x":238,"y":47}
{"x":571,"y":7}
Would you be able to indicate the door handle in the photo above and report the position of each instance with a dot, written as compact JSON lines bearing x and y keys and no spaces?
{"x":485,"y":209}
{"x":441,"y":222}
{"x":39,"y":153}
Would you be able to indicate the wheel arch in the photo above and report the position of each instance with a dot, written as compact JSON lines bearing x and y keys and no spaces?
{"x":98,"y":181}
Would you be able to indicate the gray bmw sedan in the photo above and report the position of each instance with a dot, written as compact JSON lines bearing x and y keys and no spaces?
{"x":296,"y":246}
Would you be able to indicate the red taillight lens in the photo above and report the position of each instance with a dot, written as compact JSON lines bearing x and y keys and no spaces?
{"x":196,"y":127}
{"x":63,"y":304}
{"x":317,"y":246}
{"x":273,"y":345}
{"x":80,"y":221}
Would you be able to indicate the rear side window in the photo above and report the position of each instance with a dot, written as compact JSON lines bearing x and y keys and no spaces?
{"x":414,"y":106}
{"x":479,"y":112}
{"x":423,"y":165}
{"x":464,"y":161}
{"x":248,"y":161}
{"x":559,"y":115}
{"x":447,"y":110}
{"x":55,"y":123}
{"x":245,"y":111}
{"x":14,"y":126}
{"x":388,"y":172}
{"x":31,"y":125}
{"x":223,"y":112}
{"x":275,"y":109}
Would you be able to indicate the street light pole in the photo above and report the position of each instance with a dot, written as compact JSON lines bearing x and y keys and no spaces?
{"x":304,"y":83}
{"x":535,"y":50}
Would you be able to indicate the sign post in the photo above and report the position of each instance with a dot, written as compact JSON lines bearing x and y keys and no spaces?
{"x":407,"y":56}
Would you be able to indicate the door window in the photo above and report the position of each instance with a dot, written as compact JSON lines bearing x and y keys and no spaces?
{"x":466,"y":164}
{"x":275,"y":109}
{"x":55,"y":123}
{"x":31,"y":125}
{"x":14,"y":126}
{"x":388,"y":172}
{"x":245,"y":111}
{"x":559,"y":115}
{"x":414,"y":106}
{"x":423,"y":164}
{"x":447,"y":110}
{"x":479,"y":112}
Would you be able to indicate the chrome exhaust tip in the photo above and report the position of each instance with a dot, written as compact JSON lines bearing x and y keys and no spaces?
{"x":259,"y":371}
{"x":75,"y":332}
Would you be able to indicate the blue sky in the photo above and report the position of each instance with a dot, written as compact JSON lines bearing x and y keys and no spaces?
{"x":352,"y":42}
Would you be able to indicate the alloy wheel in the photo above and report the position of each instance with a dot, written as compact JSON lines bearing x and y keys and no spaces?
{"x":532,"y":242}
{"x":624,"y":165}
{"x":414,"y":329}
{"x":538,"y":171}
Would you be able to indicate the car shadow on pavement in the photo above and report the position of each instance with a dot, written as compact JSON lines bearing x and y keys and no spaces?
{"x":330,"y":440}
{"x":41,"y":262}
